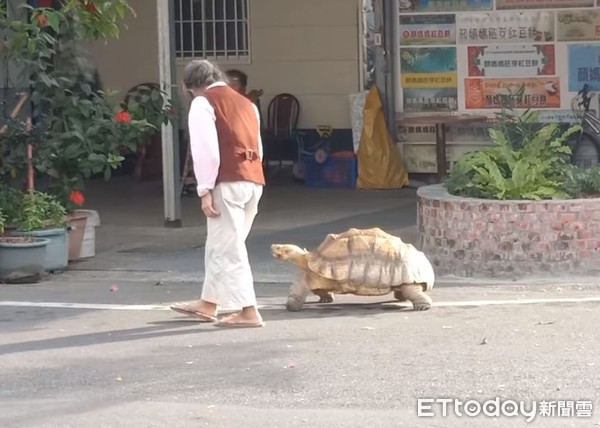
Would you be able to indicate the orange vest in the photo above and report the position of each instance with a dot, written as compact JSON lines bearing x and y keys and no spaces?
{"x":237,"y":131}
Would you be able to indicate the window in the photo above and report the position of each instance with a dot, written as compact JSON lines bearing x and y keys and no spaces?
{"x":214,"y":29}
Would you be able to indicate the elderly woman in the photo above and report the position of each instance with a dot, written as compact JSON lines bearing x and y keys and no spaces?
{"x":227,"y":154}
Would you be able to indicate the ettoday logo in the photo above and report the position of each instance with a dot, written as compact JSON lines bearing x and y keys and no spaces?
{"x":431,"y":407}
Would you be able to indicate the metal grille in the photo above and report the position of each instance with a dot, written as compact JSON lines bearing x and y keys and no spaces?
{"x":212,"y":29}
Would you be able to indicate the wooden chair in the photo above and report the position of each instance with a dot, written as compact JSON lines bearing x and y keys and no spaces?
{"x":280,"y":137}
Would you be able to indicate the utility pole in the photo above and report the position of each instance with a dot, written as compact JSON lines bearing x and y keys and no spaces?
{"x":386,"y":77}
{"x":170,"y":135}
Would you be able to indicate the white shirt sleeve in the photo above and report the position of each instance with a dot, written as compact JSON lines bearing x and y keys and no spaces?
{"x":204,"y":144}
{"x":260,"y":147}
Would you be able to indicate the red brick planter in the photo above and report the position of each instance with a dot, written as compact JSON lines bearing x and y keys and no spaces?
{"x":487,"y":238}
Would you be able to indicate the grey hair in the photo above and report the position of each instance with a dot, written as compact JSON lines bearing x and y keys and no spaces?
{"x":200,"y":73}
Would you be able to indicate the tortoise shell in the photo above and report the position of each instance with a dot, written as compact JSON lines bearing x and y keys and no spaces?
{"x":371,"y":258}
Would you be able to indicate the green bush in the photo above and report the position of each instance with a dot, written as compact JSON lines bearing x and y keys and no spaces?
{"x":39,"y":210}
{"x":78,"y":133}
{"x":583,"y":183}
{"x":10,"y":202}
{"x":31,"y":210}
{"x":523,"y":163}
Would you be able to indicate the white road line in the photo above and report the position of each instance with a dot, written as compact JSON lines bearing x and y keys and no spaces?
{"x":102,"y":306}
{"x":516,"y":302}
{"x":460,"y":303}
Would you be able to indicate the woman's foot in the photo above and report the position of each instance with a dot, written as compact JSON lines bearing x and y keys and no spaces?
{"x":202,"y":309}
{"x":248,"y":317}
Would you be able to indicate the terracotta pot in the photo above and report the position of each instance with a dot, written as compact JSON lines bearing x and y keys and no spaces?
{"x":88,"y":246}
{"x":77,"y":223}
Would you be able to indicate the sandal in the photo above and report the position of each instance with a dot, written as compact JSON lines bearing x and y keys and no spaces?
{"x":230,"y":322}
{"x":186,"y":309}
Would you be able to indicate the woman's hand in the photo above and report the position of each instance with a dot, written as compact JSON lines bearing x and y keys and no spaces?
{"x":208,"y":207}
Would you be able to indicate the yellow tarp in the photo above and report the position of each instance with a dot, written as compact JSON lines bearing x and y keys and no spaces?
{"x":379,"y":163}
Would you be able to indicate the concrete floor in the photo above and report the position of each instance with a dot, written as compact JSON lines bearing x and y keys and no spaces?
{"x":133,"y":239}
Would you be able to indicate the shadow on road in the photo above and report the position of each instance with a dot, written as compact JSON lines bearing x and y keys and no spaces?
{"x":98,"y":338}
{"x":179,"y":326}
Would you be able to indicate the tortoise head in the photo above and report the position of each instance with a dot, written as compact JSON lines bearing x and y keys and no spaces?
{"x":288,"y":252}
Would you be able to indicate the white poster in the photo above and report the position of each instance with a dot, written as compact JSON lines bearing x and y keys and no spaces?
{"x":505,"y":27}
{"x":511,"y":60}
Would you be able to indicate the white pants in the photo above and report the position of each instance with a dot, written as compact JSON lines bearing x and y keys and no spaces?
{"x":228,"y":280}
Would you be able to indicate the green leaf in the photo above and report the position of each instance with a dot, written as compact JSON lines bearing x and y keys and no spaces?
{"x":53,"y":20}
{"x":86,"y":88}
{"x":520,"y":173}
{"x":31,"y":45}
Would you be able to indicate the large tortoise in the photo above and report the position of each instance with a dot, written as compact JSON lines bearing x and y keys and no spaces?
{"x":364,"y":262}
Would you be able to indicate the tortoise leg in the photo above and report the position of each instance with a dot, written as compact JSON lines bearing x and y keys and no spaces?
{"x":325,"y":296}
{"x":298,"y":293}
{"x":399,"y":296}
{"x":415,"y":293}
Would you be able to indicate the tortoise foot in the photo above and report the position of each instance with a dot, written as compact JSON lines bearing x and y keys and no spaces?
{"x":294,"y":305}
{"x":421,"y":306}
{"x":325,"y":297}
{"x":414,"y":293}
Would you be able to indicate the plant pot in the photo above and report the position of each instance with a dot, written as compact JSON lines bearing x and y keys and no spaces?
{"x":76,"y":224}
{"x":57,"y":251}
{"x":17,"y":253}
{"x":88,"y":245}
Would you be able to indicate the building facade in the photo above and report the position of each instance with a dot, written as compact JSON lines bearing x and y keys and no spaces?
{"x":307,"y":48}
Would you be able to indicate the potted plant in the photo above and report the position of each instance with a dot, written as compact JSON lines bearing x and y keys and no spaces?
{"x":77,"y":221}
{"x":18,"y":253}
{"x":40,"y":215}
{"x":77,"y":133}
{"x":86,"y":240}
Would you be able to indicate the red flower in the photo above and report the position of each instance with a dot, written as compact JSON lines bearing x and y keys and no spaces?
{"x":42,"y":20}
{"x":91,"y":7}
{"x":123,"y":116}
{"x":77,"y":197}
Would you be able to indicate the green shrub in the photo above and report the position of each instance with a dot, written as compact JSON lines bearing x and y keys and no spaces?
{"x":10,"y":203}
{"x":583,"y":182}
{"x":535,"y":167}
{"x":40,"y":210}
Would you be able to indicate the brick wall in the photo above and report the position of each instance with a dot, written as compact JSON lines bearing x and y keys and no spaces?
{"x":476,"y":237}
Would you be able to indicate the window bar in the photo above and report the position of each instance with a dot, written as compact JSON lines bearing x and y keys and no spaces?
{"x":181,"y":46}
{"x":203,"y":13}
{"x":235,"y":26}
{"x":214,"y":28}
{"x":226,"y":52}
{"x":192,"y":28}
{"x":244,"y":25}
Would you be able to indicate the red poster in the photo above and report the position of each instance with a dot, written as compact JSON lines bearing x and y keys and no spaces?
{"x":539,"y":92}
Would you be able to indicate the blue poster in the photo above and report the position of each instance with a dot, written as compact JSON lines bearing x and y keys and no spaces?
{"x":584,"y":67}
{"x":409,"y":6}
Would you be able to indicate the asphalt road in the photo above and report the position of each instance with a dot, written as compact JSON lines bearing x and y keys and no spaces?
{"x":354,"y":363}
